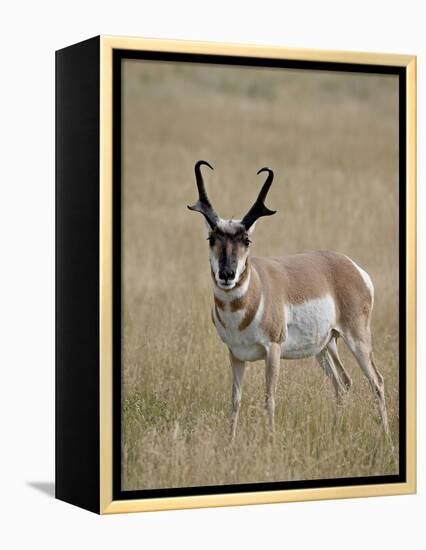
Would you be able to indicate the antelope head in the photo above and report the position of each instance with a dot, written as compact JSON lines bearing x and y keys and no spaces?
{"x":229,"y":240}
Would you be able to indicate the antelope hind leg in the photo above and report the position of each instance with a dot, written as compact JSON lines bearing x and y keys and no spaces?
{"x":343,"y":375}
{"x":360,"y":346}
{"x":326,"y":362}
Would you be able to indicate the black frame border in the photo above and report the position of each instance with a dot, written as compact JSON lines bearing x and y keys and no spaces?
{"x":77,"y":420}
{"x":118,"y":56}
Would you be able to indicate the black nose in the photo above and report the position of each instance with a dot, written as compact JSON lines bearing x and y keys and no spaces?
{"x":226,"y":274}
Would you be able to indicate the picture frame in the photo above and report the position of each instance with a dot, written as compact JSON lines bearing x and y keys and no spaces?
{"x":89,"y":262}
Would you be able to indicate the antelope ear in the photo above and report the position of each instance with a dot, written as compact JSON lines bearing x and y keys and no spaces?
{"x":208,"y":226}
{"x":251,"y":228}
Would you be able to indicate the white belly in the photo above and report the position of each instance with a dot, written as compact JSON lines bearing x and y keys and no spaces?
{"x":309,"y":327}
{"x":308,"y":330}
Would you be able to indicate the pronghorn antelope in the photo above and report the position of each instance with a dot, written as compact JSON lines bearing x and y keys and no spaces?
{"x":286,"y":307}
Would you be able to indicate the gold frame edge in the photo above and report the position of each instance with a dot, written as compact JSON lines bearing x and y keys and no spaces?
{"x":107,"y":505}
{"x":105,"y":276}
{"x":252,"y":50}
{"x":411,"y":221}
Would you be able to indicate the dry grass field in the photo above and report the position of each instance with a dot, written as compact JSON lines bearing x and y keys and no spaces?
{"x":332,"y":141}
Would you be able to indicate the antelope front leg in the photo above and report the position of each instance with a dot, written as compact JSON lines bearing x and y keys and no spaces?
{"x":238,"y":368}
{"x":272,"y":362}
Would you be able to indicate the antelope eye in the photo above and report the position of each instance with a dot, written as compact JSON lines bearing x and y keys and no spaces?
{"x":211,"y":240}
{"x":247,"y":241}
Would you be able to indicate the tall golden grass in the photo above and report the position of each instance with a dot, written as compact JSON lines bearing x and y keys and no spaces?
{"x":332,"y":141}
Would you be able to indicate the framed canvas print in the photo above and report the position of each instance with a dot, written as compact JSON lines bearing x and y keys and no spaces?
{"x":235,"y":274}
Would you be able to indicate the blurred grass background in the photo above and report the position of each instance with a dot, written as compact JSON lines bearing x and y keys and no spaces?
{"x":332,"y":141}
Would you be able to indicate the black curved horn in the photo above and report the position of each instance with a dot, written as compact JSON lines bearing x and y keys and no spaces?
{"x":259,"y":209}
{"x":203,"y":205}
